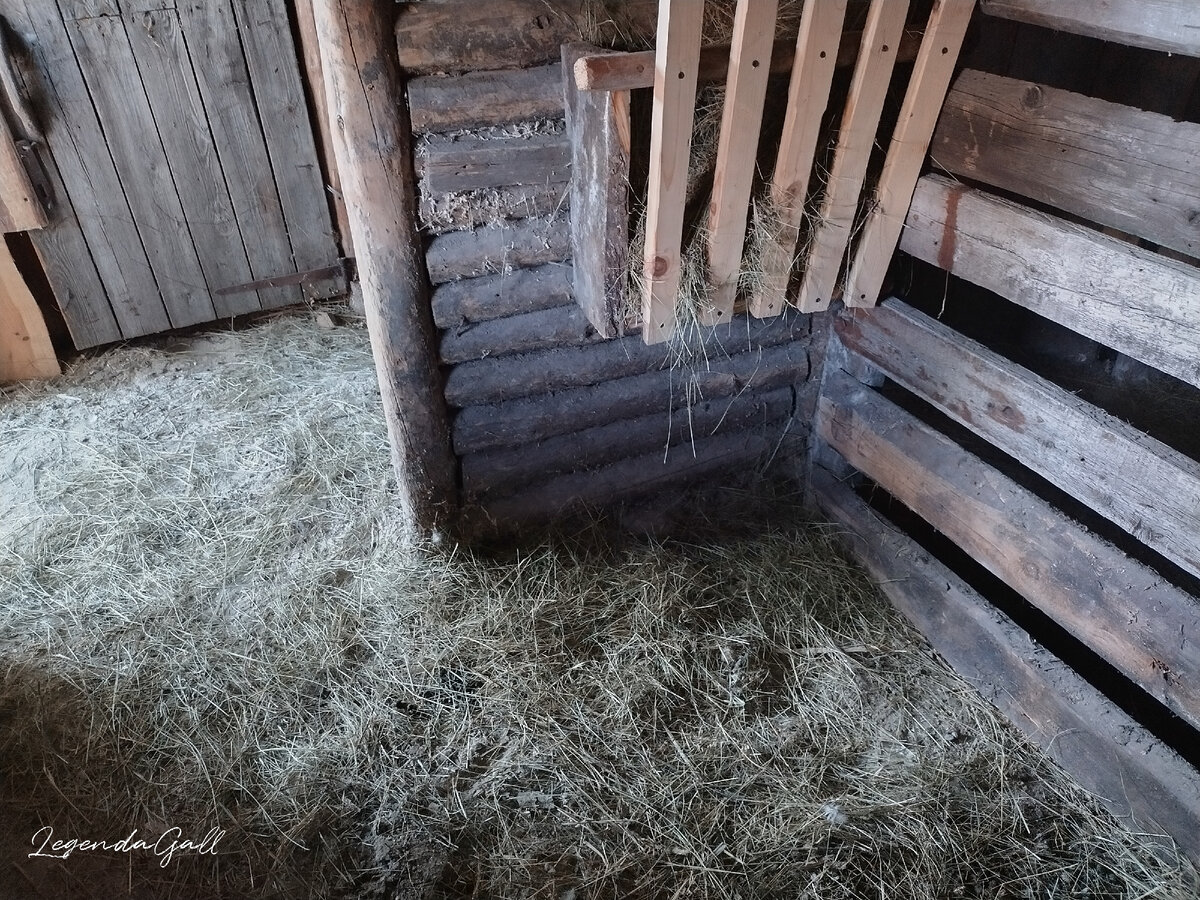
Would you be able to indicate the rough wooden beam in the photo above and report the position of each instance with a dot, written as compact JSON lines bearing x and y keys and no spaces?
{"x":497,"y":296}
{"x":497,"y":249}
{"x":447,"y":165}
{"x":372,"y":144}
{"x":561,"y":326}
{"x":1172,"y":26}
{"x":20,"y":207}
{"x":478,"y":99}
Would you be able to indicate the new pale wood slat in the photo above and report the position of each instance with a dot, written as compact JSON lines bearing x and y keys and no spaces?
{"x":808,"y":96}
{"x":1172,"y":26}
{"x":678,"y":55}
{"x":737,"y":148}
{"x":498,"y":296}
{"x":25,"y":348}
{"x":906,"y":154}
{"x":1127,"y":298}
{"x":856,"y":137}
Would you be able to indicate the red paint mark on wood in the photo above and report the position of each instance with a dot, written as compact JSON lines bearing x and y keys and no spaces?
{"x":949,"y":241}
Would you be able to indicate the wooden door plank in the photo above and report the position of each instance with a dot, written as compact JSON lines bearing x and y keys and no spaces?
{"x":1133,"y":300}
{"x":737,"y":150}
{"x":91,"y":188}
{"x":856,"y":137}
{"x":478,"y":99}
{"x":20,"y":208}
{"x":211,"y":33}
{"x":1123,"y":611}
{"x":1137,"y":777}
{"x":167,"y":73}
{"x":116,"y":89}
{"x":273,"y":62}
{"x":927,"y":87}
{"x":25,"y":348}
{"x":808,"y":96}
{"x":1140,"y":484}
{"x":1118,"y":166}
{"x":1172,"y":26}
{"x":675,"y":70}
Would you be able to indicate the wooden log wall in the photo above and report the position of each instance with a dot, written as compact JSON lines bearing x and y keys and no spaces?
{"x":549,"y":414}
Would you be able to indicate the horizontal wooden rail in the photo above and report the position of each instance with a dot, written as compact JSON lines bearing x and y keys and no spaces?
{"x":1121,"y":609}
{"x":466,"y":164}
{"x":477,"y":99}
{"x":1169,"y":25}
{"x":561,"y":326}
{"x":1133,"y":300}
{"x":497,"y":249}
{"x":499,"y":296}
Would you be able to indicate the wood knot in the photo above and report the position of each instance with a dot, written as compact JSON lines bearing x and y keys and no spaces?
{"x":659,"y":266}
{"x":1032,"y":97}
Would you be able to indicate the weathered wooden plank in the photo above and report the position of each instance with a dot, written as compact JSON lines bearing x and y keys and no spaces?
{"x":25,"y":348}
{"x":1115,"y":165}
{"x":599,"y":128}
{"x":1145,"y":487}
{"x":1139,"y":779}
{"x":499,"y":248}
{"x":737,"y":151}
{"x":927,"y":87}
{"x":85,"y":166}
{"x":1121,"y":609}
{"x":161,"y":53}
{"x":515,"y":423}
{"x":20,"y":208}
{"x":440,"y":213}
{"x":512,"y":467}
{"x":561,"y":326}
{"x":497,"y":296}
{"x":677,"y":55}
{"x":1132,"y":300}
{"x":446,"y":165}
{"x":478,"y":99}
{"x":1169,"y":25}
{"x":271,"y":58}
{"x":115,"y":85}
{"x":856,"y":138}
{"x":489,"y":381}
{"x":808,"y":96}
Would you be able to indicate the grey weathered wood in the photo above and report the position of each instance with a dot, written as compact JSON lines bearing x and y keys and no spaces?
{"x":440,"y":213}
{"x":273,"y":62}
{"x":211,"y":32}
{"x":529,"y":419}
{"x":562,"y":326}
{"x":599,"y":127}
{"x":1140,"y":780}
{"x":102,"y":47}
{"x":1169,"y":25}
{"x":469,"y":163}
{"x":166,"y":68}
{"x":1145,"y":487}
{"x":498,"y":248}
{"x":82,"y":160}
{"x":512,"y":467}
{"x":373,"y":147}
{"x":477,"y":99}
{"x":1118,"y":607}
{"x":1115,"y":165}
{"x":498,"y":296}
{"x":492,"y":380}
{"x":1132,"y":300}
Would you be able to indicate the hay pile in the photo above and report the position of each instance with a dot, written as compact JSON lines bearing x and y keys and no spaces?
{"x":208,"y":619}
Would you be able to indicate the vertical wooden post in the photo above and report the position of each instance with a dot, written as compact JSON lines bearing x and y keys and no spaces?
{"x":372,"y":142}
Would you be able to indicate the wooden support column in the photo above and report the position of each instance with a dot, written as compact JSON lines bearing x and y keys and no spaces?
{"x":372,"y":141}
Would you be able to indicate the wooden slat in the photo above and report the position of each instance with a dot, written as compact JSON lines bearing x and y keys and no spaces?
{"x":497,"y":249}
{"x":856,"y":137}
{"x":1122,"y":610}
{"x":464,"y":164}
{"x":1145,"y":487}
{"x":559,"y":326}
{"x":906,"y":154}
{"x":1132,"y":300}
{"x":1172,"y":26}
{"x":477,"y":99}
{"x":599,"y":127}
{"x":675,"y":70}
{"x":25,"y":348}
{"x":1118,"y":166}
{"x":808,"y":95}
{"x":737,"y":150}
{"x":116,"y":89}
{"x":497,"y":296}
{"x":166,"y":69}
{"x":20,"y":208}
{"x":1136,"y":777}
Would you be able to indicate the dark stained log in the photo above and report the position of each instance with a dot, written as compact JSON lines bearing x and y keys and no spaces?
{"x":446,"y":165}
{"x":562,"y":326}
{"x":1122,"y":610}
{"x":373,"y":147}
{"x":1141,"y":781}
{"x":478,"y":99}
{"x":497,"y":248}
{"x":497,"y":296}
{"x":531,"y":419}
{"x":512,"y":467}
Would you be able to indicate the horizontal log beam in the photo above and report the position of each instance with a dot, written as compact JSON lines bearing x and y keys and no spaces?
{"x":447,"y":165}
{"x":480,"y":99}
{"x":562,"y":326}
{"x":498,"y":248}
{"x":497,"y":296}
